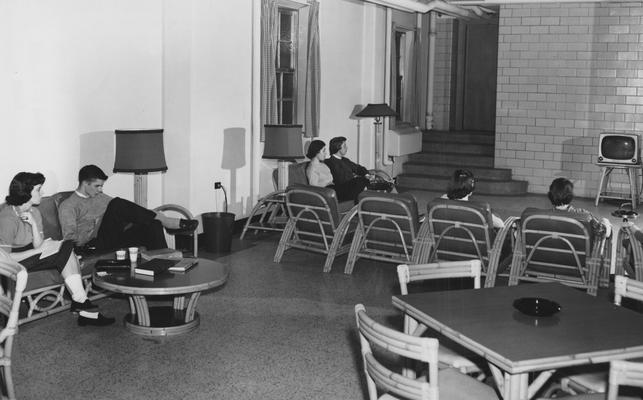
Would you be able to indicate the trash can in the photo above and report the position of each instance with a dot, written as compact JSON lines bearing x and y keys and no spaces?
{"x":217,"y":231}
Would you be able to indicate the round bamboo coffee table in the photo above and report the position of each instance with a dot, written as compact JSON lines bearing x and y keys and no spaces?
{"x":186,"y":287}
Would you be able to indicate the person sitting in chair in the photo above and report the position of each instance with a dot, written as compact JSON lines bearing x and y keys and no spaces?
{"x":21,"y":236}
{"x":561,"y":194}
{"x":90,"y":218}
{"x":461,"y":187}
{"x":319,"y":174}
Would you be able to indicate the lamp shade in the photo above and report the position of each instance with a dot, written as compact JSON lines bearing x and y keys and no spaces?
{"x":139,"y":151}
{"x":376,"y":110}
{"x":283,"y":142}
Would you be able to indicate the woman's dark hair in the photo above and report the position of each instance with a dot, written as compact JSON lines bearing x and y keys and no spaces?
{"x":21,"y":186}
{"x":314,"y":148}
{"x":561,"y":192}
{"x":335,"y":144}
{"x":462,"y":183}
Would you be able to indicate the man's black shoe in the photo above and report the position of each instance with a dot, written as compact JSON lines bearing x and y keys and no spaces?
{"x":100,"y":320}
{"x":186,"y":226}
{"x":87,"y":305}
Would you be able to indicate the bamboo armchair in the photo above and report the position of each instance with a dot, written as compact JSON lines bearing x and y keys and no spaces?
{"x":315,"y":224}
{"x":14,"y":277}
{"x":387,"y":229}
{"x":441,"y":270}
{"x":557,"y":246}
{"x":431,"y":383}
{"x":629,"y":252}
{"x":463,"y":230}
{"x":182,"y":212}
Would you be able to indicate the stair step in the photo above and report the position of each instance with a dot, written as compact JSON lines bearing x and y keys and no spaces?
{"x":459,"y":137}
{"x":495,"y":174}
{"x":458,"y":148}
{"x":439,"y":184}
{"x":451,"y":159}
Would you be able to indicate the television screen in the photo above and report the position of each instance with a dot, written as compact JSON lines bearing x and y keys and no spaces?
{"x":618,"y":147}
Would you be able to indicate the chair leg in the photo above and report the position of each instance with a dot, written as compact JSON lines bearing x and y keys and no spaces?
{"x":283,"y":241}
{"x":338,"y":238}
{"x":356,"y":245}
{"x":8,"y":380}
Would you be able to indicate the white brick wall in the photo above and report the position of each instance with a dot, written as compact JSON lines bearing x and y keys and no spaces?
{"x":566,"y":72}
{"x":442,"y":94}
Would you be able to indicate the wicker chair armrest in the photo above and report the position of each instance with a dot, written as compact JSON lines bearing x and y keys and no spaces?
{"x":176,"y":208}
{"x":509,"y":228}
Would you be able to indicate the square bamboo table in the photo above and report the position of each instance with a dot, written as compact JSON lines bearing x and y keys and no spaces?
{"x":587,"y":330}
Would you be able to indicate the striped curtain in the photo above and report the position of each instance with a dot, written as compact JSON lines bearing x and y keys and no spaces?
{"x":269,"y":37}
{"x":313,"y":73}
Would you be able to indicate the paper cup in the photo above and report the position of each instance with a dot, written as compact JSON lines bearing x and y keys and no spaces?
{"x":133,"y":254}
{"x":121,"y":254}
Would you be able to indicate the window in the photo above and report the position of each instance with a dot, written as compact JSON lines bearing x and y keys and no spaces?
{"x":286,"y":66}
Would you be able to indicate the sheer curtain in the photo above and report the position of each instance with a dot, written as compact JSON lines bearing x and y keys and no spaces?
{"x":313,"y":73}
{"x":269,"y":36}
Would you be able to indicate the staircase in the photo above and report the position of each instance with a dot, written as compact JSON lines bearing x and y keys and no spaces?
{"x":445,"y":151}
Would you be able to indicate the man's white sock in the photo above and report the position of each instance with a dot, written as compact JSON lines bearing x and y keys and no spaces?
{"x":75,"y":286}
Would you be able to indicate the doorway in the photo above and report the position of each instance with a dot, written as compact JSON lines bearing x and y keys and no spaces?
{"x":475,"y":65}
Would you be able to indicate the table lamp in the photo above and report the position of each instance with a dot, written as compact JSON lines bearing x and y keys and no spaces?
{"x":140,"y":152}
{"x":283,"y":143}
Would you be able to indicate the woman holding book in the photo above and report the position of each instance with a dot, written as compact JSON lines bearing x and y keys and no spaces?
{"x":21,"y":235}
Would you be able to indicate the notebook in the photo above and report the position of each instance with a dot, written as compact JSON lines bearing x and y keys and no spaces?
{"x":184,"y":265}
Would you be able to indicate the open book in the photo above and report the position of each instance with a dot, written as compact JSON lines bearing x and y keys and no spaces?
{"x":49,"y":247}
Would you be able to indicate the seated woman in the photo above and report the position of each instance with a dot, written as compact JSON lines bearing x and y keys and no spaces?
{"x":461,"y":187}
{"x":319,"y":174}
{"x":21,"y":235}
{"x":561,"y":194}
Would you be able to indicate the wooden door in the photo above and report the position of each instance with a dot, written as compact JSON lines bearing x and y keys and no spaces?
{"x":476,"y":62}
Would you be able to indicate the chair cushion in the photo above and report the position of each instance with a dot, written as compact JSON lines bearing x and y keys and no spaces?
{"x":456,"y":243}
{"x":296,"y":174}
{"x":383,"y":234}
{"x":538,"y":223}
{"x":299,"y":196}
{"x":454,"y":385}
{"x":49,"y":210}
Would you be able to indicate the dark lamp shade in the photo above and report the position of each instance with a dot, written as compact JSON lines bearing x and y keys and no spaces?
{"x":139,"y":151}
{"x":376,"y":110}
{"x":283,"y":142}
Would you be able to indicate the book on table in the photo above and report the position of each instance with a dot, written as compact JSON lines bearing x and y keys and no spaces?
{"x":184,"y":265}
{"x":154,"y":267}
{"x":167,"y":254}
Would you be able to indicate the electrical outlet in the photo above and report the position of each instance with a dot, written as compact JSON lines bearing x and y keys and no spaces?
{"x":217,"y":185}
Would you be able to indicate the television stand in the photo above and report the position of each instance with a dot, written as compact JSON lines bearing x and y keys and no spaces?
{"x":606,"y":173}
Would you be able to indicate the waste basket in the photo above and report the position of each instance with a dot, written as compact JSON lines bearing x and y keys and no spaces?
{"x":217,"y":231}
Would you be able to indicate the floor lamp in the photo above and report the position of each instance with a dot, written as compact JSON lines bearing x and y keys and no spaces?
{"x":283,"y":143}
{"x":140,"y":152}
{"x":377,"y":111}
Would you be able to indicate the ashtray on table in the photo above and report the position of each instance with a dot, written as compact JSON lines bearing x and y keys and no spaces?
{"x":536,"y":306}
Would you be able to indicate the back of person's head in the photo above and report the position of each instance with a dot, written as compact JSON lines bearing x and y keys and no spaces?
{"x":561,"y":192}
{"x":90,"y":173}
{"x":462,"y":184}
{"x":21,"y":187}
{"x":335,"y":144}
{"x":314,"y":148}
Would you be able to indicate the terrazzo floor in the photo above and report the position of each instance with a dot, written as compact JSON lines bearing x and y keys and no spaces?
{"x":274,"y":331}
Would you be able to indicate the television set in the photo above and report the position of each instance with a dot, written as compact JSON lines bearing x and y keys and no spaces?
{"x":619,"y":148}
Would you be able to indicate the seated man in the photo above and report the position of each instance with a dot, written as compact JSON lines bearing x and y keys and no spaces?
{"x":91,"y":218}
{"x":344,"y":170}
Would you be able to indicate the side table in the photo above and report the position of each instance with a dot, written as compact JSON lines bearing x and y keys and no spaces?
{"x":186,"y":287}
{"x":606,"y":171}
